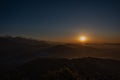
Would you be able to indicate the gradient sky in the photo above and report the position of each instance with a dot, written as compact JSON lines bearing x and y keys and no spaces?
{"x":61,"y":20}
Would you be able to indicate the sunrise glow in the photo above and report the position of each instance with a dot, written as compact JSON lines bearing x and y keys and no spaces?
{"x":83,"y":38}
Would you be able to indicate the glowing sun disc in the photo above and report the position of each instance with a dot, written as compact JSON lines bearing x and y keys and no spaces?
{"x":82,"y":38}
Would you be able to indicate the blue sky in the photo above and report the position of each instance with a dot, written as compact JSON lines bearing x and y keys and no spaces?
{"x":61,"y":20}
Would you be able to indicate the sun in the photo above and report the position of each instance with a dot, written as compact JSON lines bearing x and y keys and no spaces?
{"x":83,"y":38}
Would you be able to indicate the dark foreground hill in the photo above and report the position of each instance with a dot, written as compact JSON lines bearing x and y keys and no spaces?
{"x":64,"y":69}
{"x":28,"y":59}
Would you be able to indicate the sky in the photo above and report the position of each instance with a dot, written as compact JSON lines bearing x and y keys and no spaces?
{"x":61,"y":20}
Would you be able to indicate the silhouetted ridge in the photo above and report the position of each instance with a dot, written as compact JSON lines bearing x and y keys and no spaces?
{"x":64,"y":69}
{"x":21,"y":40}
